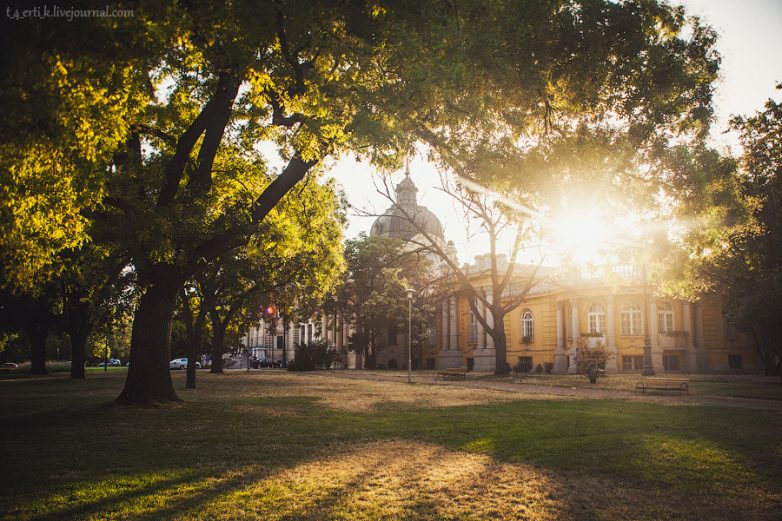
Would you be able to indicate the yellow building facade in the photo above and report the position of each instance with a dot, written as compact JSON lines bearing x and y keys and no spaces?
{"x":606,"y":307}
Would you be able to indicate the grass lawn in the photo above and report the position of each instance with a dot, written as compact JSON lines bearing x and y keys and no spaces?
{"x":275,"y":445}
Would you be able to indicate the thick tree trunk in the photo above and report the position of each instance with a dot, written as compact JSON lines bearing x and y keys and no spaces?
{"x":78,"y":343}
{"x":37,"y":337}
{"x":218,"y":338}
{"x":78,"y":325}
{"x":149,"y":378}
{"x":37,"y":331}
{"x":193,"y":351}
{"x":501,"y":366}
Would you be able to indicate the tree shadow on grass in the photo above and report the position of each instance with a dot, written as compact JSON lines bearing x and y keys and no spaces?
{"x":638,"y":449}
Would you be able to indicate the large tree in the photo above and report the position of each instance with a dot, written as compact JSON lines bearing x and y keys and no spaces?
{"x":733,"y":246}
{"x":373,"y":298}
{"x":474,"y":80}
{"x":499,"y":287}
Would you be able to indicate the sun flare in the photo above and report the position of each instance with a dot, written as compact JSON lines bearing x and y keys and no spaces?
{"x":588,"y":236}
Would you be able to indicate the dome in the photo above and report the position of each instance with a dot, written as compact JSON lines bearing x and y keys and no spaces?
{"x":393,"y":223}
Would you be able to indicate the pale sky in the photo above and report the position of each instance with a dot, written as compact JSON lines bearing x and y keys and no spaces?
{"x":750,"y":40}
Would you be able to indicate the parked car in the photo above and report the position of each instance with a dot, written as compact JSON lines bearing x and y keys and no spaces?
{"x":181,"y":363}
{"x":264,"y":362}
{"x":113,"y":362}
{"x":9,"y":365}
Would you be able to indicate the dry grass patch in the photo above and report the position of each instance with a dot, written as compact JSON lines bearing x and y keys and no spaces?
{"x":353,"y":395}
{"x":394,"y":480}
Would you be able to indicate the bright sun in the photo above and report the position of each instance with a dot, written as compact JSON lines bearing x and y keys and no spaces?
{"x":586,"y":236}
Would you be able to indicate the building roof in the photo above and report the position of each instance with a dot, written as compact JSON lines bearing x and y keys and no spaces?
{"x":393,"y":223}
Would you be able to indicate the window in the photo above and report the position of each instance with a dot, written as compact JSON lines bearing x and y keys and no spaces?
{"x":527,"y":326}
{"x":631,"y":319}
{"x":524,"y":365}
{"x":734,"y":361}
{"x":730,"y":330}
{"x":473,"y":324}
{"x":392,"y":335}
{"x":632,"y":363}
{"x":665,"y":317}
{"x":671,"y":362}
{"x":596,"y":319}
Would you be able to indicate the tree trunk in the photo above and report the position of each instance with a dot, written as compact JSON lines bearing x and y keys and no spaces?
{"x":193,"y":350}
{"x":218,"y":336}
{"x":501,"y":366}
{"x":149,"y":378}
{"x":78,"y":345}
{"x":37,"y":335}
{"x":78,"y":326}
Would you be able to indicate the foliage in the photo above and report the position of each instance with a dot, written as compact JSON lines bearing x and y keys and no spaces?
{"x":373,"y":295}
{"x":737,"y":250}
{"x":312,"y":356}
{"x":149,"y":122}
{"x":591,"y":361}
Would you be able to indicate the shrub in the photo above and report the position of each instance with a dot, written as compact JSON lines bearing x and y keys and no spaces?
{"x":548,"y":367}
{"x":591,"y":361}
{"x":312,"y":356}
{"x":524,"y":365}
{"x":392,"y":364}
{"x":538,"y":368}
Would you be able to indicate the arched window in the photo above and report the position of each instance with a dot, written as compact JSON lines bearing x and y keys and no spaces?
{"x":527,"y":326}
{"x":665,"y":317}
{"x":631,"y":319}
{"x":596,"y":319}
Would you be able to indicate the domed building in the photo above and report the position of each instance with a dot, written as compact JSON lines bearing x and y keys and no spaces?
{"x":393,"y":222}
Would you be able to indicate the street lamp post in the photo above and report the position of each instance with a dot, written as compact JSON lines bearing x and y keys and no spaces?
{"x":410,"y":292}
{"x":648,"y":370}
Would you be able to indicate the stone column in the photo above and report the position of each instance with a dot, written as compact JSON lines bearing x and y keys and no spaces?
{"x":481,"y":337}
{"x":452,"y":324}
{"x":689,"y":345}
{"x":560,"y":363}
{"x":574,"y":334}
{"x":340,"y":334}
{"x":654,"y":336}
{"x":700,"y":347}
{"x":444,"y":327}
{"x":610,"y":336}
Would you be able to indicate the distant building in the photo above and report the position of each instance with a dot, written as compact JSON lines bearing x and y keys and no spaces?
{"x":393,"y":223}
{"x":601,"y":306}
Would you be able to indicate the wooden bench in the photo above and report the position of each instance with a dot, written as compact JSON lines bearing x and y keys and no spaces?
{"x":663,"y":384}
{"x":452,"y":372}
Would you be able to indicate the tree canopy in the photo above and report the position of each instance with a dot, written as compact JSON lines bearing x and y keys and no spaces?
{"x":735,"y":249}
{"x":152,"y":123}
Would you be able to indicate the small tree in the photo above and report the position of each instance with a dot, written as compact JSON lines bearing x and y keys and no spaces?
{"x":591,"y":361}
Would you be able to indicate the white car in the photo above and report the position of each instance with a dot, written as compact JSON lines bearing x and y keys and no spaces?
{"x":181,"y":363}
